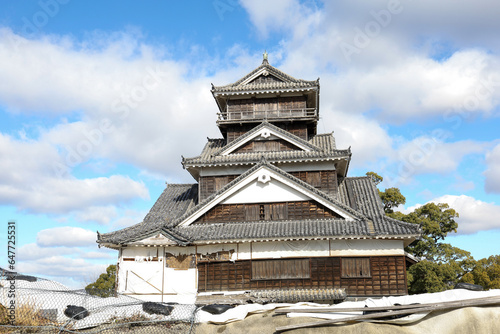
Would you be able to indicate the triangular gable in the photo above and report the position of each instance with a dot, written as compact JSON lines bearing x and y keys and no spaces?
{"x":158,"y":238}
{"x":265,"y":189}
{"x":265,"y":78}
{"x":259,"y":177}
{"x":265,"y":71}
{"x":268,"y":131}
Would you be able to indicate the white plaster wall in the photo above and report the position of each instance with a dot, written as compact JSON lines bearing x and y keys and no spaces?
{"x":140,"y":252}
{"x":279,"y":249}
{"x":366,"y":247}
{"x":244,"y":251}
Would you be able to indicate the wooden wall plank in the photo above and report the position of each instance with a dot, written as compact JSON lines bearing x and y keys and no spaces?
{"x":324,"y":272}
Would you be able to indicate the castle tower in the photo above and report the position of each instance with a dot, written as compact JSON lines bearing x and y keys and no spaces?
{"x":272,"y":213}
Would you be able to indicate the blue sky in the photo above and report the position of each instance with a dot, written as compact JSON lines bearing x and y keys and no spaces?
{"x":99,"y":100}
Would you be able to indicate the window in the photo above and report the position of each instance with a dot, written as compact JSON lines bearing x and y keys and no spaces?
{"x":356,"y":267}
{"x":281,"y":269}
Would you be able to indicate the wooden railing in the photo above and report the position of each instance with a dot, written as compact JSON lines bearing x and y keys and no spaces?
{"x":268,"y":114}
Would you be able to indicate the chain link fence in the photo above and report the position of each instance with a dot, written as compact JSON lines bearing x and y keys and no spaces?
{"x":30,"y":304}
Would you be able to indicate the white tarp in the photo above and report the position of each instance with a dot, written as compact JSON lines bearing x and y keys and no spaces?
{"x":426,"y":298}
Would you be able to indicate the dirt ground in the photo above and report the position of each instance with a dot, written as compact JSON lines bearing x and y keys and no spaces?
{"x":470,"y":320}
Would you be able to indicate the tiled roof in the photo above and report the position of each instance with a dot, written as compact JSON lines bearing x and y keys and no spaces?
{"x":361,"y":194}
{"x":241,"y":139}
{"x":325,"y":140}
{"x":275,"y":230}
{"x":175,"y":200}
{"x":249,"y":158}
{"x":288,"y":82}
{"x":305,"y":185}
{"x":357,"y":195}
{"x":324,"y":144}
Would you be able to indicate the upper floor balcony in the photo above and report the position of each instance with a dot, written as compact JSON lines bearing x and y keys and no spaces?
{"x":248,"y":116}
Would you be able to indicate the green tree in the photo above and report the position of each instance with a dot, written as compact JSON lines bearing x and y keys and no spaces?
{"x":375,"y":177}
{"x":436,"y":221}
{"x":486,"y":273}
{"x":104,"y":286}
{"x":441,"y":265}
{"x":391,"y":198}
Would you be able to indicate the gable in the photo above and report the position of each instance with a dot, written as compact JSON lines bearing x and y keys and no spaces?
{"x":262,"y":190}
{"x":265,"y":74}
{"x":276,"y":137}
{"x":265,"y":78}
{"x":156,"y":239}
{"x":267,"y":145}
{"x":249,"y":188}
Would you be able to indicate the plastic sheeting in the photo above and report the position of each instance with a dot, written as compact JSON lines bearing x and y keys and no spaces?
{"x":445,"y":296}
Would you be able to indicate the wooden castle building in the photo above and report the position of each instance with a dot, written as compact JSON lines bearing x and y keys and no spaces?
{"x":272,"y":215}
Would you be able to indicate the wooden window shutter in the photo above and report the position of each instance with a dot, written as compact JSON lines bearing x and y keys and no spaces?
{"x":252,"y":212}
{"x":281,"y":269}
{"x":356,"y":267}
{"x":314,"y":179}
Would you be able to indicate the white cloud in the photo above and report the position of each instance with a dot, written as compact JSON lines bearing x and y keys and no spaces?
{"x":28,"y":181}
{"x":474,"y":215}
{"x":397,"y":75}
{"x":33,"y":252}
{"x":432,"y":155}
{"x":492,"y":173}
{"x":135,"y":105}
{"x":60,"y":268}
{"x":65,"y":254}
{"x":368,"y":140}
{"x":268,"y":16}
{"x":66,"y":236}
{"x":416,"y":87}
{"x":99,"y":214}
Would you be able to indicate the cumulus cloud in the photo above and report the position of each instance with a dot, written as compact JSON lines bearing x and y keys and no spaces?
{"x":368,"y":140}
{"x":66,"y":254}
{"x":474,"y":215}
{"x":29,"y":181}
{"x":279,"y":15}
{"x":66,"y":236}
{"x":34,"y":251}
{"x":73,"y":271}
{"x":99,"y":214}
{"x":136,"y":104}
{"x":432,"y":155}
{"x":395,"y":73}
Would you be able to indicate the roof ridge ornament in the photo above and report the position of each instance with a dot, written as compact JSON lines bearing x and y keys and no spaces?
{"x":265,"y":60}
